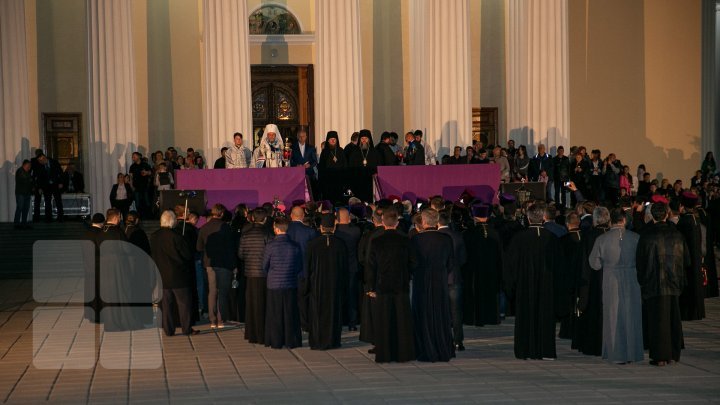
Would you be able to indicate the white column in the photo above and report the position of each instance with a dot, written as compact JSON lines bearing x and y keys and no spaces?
{"x":113,"y":128}
{"x":440,"y":73}
{"x":227,"y":75}
{"x":536,"y":35}
{"x":338,"y":83}
{"x":709,"y":78}
{"x":14,"y":102}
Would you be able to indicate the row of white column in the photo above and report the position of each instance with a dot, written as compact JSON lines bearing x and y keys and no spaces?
{"x":537,"y":75}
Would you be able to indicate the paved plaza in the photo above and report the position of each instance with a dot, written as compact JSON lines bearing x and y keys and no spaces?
{"x":222,"y":367}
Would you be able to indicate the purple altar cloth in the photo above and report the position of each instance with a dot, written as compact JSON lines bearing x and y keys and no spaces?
{"x":448,"y":181}
{"x":249,"y":186}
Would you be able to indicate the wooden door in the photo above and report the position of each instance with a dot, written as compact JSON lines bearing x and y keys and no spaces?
{"x":62,"y":138}
{"x":282,"y":95}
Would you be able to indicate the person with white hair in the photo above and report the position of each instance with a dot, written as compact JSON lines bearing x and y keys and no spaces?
{"x":174,"y":260}
{"x":270,"y":151}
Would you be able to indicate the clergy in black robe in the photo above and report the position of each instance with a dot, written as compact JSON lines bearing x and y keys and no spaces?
{"x":432,"y":261}
{"x":124,"y":280}
{"x":692,"y":299}
{"x":389,"y":263}
{"x":91,"y":256}
{"x":455,"y":279}
{"x":482,"y":274}
{"x":662,"y":257}
{"x":712,"y":222}
{"x":589,"y":325}
{"x":250,"y":251}
{"x":135,"y":234}
{"x":364,"y":249}
{"x":530,"y":262}
{"x":325,"y":286}
{"x":331,"y":167}
{"x":350,"y":234}
{"x":567,"y":297}
{"x":282,"y":264}
{"x":362,"y":164}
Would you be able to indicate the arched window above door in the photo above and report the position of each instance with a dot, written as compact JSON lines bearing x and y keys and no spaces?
{"x":273,"y":20}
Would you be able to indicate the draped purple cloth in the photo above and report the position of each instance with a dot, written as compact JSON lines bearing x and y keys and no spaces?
{"x":449,"y":181}
{"x":248,"y":186}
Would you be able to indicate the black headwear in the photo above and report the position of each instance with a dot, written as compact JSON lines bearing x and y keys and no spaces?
{"x":332,"y":134}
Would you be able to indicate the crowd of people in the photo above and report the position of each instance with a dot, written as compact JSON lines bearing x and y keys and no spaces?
{"x":617,"y":260}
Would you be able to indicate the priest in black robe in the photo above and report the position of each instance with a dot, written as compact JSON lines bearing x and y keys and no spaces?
{"x":567,"y":297}
{"x":91,"y":260}
{"x":124,"y":280}
{"x":692,"y":300}
{"x":331,"y":168}
{"x":482,"y":273}
{"x":589,"y":325}
{"x":368,"y":277}
{"x":389,"y":263}
{"x":325,"y":286}
{"x":662,"y":257}
{"x":530,"y":262}
{"x":711,"y":218}
{"x":432,"y":262}
{"x":362,"y":164}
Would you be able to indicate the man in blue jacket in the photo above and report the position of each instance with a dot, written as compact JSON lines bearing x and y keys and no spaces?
{"x":282,"y":265}
{"x":306,"y":156}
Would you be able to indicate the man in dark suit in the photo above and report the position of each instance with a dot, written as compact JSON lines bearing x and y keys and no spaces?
{"x":174,"y":260}
{"x":306,"y":156}
{"x":73,"y":181}
{"x":47,"y":174}
{"x":301,"y":234}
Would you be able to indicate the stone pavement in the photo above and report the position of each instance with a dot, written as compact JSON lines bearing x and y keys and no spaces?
{"x":222,"y":367}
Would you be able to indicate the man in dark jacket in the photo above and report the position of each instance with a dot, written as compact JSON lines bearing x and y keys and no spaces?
{"x":306,"y":155}
{"x":134,"y":233}
{"x":662,"y":257}
{"x":282,"y":265}
{"x":174,"y":260}
{"x":387,"y":156}
{"x":73,"y":180}
{"x":215,"y":240}
{"x":561,"y":175}
{"x":220,"y":162}
{"x":542,"y":162}
{"x":47,"y":175}
{"x":250,"y":252}
{"x":301,"y":234}
{"x":23,"y":191}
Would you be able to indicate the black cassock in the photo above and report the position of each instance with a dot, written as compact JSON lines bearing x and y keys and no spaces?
{"x":125,"y":282}
{"x":331,"y":167}
{"x":482,"y":276}
{"x":389,"y":263}
{"x":569,"y":282}
{"x":432,"y":261}
{"x":529,"y":275}
{"x":692,"y":299}
{"x":327,"y":272}
{"x":366,"y":306}
{"x":711,"y":219}
{"x":588,"y":326}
